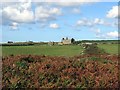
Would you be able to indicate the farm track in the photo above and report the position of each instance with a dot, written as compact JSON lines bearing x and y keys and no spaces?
{"x":84,"y":71}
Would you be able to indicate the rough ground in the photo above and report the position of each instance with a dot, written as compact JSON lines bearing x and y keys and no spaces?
{"x":85,"y":71}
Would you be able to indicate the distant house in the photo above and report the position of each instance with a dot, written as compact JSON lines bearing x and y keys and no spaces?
{"x":30,"y":42}
{"x":51,"y":43}
{"x":66,"y":41}
{"x":87,"y":43}
{"x":60,"y":43}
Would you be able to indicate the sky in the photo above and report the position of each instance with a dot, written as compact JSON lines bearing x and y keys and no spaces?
{"x":52,"y":21}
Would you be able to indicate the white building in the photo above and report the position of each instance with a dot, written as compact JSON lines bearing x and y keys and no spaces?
{"x":66,"y":41}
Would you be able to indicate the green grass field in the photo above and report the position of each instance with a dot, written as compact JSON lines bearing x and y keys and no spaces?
{"x":70,"y":50}
{"x":110,"y":48}
{"x":42,"y":50}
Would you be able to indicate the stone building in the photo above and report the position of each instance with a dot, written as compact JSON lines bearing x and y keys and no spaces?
{"x":66,"y":41}
{"x":51,"y":43}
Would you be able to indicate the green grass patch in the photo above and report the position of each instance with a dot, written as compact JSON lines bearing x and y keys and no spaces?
{"x":69,"y":50}
{"x":110,"y":48}
{"x":66,"y":50}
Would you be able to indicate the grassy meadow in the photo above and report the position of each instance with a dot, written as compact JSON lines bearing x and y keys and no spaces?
{"x":70,"y":50}
{"x":66,"y":50}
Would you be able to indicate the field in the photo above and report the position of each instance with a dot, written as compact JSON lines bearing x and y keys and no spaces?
{"x":110,"y":48}
{"x":44,"y":66}
{"x":70,"y":50}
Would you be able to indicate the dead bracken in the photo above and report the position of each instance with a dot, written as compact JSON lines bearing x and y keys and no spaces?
{"x":84,"y":71}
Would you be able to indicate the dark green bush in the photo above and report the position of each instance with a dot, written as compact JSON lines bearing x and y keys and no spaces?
{"x":11,"y":55}
{"x":48,"y":66}
{"x":93,"y":49}
{"x":21,"y":64}
{"x":28,"y":59}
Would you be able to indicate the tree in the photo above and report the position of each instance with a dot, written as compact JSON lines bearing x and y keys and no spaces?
{"x":72,"y":40}
{"x":93,"y":49}
{"x":10,"y":41}
{"x":62,"y":38}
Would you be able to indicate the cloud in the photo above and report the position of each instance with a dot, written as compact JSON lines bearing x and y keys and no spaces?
{"x":16,"y":15}
{"x":71,"y":3}
{"x":96,"y":31}
{"x":113,"y":34}
{"x":46,"y":14}
{"x":101,"y":36}
{"x":60,"y":1}
{"x":14,"y":26}
{"x":113,"y":13}
{"x":116,"y":24}
{"x":76,"y":10}
{"x":68,"y":4}
{"x":92,"y":22}
{"x":55,"y":11}
{"x":21,"y":14}
{"x":98,"y":21}
{"x":54,"y":26}
{"x":109,"y":35}
{"x":42,"y":14}
{"x":84,"y":22}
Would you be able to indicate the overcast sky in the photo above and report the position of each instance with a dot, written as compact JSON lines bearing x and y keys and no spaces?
{"x":51,"y":21}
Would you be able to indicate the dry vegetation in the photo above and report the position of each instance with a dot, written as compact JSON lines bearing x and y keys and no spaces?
{"x":84,"y":71}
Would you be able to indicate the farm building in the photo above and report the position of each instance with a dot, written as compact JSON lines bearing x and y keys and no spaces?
{"x":51,"y":43}
{"x":66,"y":41}
{"x":60,"y":43}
